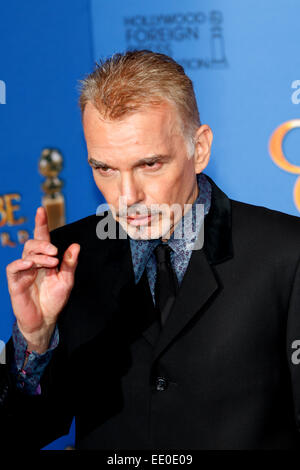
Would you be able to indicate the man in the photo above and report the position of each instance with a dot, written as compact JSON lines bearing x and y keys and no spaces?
{"x":147,"y":341}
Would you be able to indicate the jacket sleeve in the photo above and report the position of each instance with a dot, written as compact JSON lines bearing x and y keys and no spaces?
{"x":293,"y":343}
{"x":33,"y":421}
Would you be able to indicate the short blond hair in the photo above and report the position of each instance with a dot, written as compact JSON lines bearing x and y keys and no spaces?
{"x":126,"y":82}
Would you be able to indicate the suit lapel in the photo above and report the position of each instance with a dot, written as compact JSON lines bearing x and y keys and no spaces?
{"x":197,"y":287}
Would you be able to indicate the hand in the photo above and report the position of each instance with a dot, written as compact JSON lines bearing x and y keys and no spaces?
{"x":38,"y":290}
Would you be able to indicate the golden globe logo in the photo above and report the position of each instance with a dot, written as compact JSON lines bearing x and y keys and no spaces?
{"x":8,"y":219}
{"x":278,"y":157}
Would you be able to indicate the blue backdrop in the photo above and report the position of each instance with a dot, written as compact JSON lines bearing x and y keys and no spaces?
{"x":243,"y":60}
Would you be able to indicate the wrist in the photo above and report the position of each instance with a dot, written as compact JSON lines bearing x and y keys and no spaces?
{"x":39,"y":340}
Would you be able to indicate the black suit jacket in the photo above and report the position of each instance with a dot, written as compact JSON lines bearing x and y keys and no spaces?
{"x":220,"y":375}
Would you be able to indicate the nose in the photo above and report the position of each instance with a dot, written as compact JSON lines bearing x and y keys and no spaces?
{"x":131,"y":190}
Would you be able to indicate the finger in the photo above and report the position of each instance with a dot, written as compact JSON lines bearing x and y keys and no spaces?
{"x":15,"y":267}
{"x":41,"y":230}
{"x":42,"y":261}
{"x":69,"y":263}
{"x":33,"y":246}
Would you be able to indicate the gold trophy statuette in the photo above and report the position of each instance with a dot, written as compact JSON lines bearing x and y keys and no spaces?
{"x":50,"y":165}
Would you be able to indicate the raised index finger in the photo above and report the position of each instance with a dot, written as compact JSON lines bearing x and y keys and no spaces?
{"x":41,"y":230}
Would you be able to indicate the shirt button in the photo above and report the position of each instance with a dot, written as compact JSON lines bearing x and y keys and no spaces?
{"x":161,"y":384}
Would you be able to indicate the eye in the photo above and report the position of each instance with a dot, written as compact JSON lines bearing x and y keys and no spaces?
{"x":103,"y":171}
{"x":154,"y":165}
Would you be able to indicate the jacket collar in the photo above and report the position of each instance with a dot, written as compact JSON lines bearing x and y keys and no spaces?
{"x":218,"y":227}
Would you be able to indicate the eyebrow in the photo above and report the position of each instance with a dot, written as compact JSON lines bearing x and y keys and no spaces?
{"x":152,"y":159}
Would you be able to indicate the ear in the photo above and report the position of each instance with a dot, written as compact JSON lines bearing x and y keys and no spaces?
{"x":203,"y":141}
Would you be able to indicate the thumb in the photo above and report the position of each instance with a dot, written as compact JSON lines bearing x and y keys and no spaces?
{"x":69,"y":263}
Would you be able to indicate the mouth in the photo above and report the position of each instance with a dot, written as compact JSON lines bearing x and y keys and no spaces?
{"x":139,"y":220}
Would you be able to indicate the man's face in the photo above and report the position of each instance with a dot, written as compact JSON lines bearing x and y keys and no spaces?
{"x":139,"y":163}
